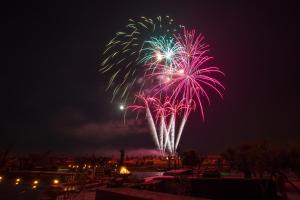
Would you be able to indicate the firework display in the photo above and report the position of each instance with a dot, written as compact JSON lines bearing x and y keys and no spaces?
{"x":124,"y":55}
{"x":165,"y":69}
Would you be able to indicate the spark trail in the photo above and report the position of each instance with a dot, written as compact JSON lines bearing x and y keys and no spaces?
{"x":165,"y":70}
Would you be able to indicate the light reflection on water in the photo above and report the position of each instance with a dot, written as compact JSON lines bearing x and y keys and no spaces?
{"x":141,"y":175}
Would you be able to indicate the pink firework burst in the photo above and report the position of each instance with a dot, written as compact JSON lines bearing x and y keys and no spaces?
{"x":179,"y":87}
{"x":190,"y":44}
{"x":192,"y":76}
{"x":162,"y":116}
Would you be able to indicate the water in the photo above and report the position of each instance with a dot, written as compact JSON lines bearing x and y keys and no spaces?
{"x":25,"y":190}
{"x":142,"y":175}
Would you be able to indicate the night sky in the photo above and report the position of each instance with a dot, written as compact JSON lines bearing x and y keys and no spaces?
{"x":53,"y":97}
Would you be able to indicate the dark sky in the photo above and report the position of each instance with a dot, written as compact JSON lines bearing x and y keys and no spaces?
{"x":53,"y":98}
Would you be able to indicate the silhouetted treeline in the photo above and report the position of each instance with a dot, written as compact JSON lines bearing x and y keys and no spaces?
{"x":263,"y":159}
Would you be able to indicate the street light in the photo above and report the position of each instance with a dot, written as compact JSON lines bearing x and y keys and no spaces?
{"x":18,"y":180}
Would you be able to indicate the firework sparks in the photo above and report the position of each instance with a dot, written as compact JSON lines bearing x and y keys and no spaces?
{"x":160,"y":52}
{"x":122,"y":55}
{"x":191,"y":78}
{"x":171,"y":68}
{"x":162,"y":116}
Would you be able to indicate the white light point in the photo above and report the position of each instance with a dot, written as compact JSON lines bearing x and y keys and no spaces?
{"x":181,"y":71}
{"x":158,"y":56}
{"x":169,"y":55}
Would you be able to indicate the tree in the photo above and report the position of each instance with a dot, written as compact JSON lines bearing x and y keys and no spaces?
{"x":262,"y":159}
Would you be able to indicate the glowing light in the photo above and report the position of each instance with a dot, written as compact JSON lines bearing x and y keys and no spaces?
{"x":1,"y":178}
{"x":124,"y":170}
{"x":167,"y":79}
{"x":169,"y":55}
{"x":35,"y":182}
{"x":182,"y":90}
{"x":158,"y":56}
{"x":55,"y":181}
{"x":181,"y":71}
{"x":165,"y":50}
{"x":18,"y":180}
{"x":172,"y":81}
{"x":34,"y":186}
{"x":123,"y":54}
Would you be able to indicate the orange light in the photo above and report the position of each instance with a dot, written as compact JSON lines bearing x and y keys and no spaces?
{"x":34,"y":187}
{"x":124,"y":170}
{"x":18,"y":180}
{"x":55,"y":181}
{"x":35,"y":182}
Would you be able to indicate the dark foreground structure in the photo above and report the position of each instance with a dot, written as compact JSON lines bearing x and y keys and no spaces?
{"x":134,"y":194}
{"x":200,"y":189}
{"x":234,"y":188}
